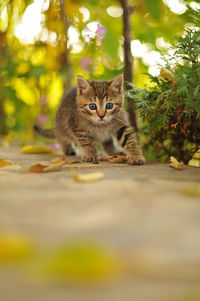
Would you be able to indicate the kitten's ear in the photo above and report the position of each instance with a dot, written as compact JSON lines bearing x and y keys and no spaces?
{"x":82,"y":85}
{"x":117,"y":84}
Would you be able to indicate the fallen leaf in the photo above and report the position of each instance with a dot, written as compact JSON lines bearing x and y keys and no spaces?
{"x":5,"y":163}
{"x":54,"y":167}
{"x":191,"y":191}
{"x":175,"y":164}
{"x":194,"y":163}
{"x":106,"y":158}
{"x":196,"y":155}
{"x":37,"y":168}
{"x":37,"y":149}
{"x":13,"y":167}
{"x":80,"y":263}
{"x":58,"y":160}
{"x":117,"y":159}
{"x":14,"y":248}
{"x":90,"y":177}
{"x":63,"y":159}
{"x":73,"y":161}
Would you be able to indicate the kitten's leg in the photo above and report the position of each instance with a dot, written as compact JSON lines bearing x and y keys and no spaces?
{"x":88,"y":145}
{"x":69,"y":151}
{"x":127,"y":137}
{"x":67,"y":148}
{"x":110,"y":148}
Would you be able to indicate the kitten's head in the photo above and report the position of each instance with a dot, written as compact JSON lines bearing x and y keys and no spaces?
{"x":100,"y":101}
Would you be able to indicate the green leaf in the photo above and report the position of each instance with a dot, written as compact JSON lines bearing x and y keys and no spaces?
{"x":111,"y":44}
{"x":37,"y":71}
{"x":154,"y":8}
{"x":9,"y":93}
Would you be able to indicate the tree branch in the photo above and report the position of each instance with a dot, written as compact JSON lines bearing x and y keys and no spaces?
{"x":65,"y":61}
{"x":128,"y":59}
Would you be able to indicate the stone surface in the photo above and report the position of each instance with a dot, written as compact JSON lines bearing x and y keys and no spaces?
{"x":137,"y":211}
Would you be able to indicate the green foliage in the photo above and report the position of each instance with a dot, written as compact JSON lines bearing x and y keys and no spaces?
{"x":171,"y":109}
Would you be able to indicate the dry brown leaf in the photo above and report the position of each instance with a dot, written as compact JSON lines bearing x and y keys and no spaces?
{"x":89,"y":177}
{"x":117,"y":159}
{"x":37,"y":168}
{"x":175,"y":164}
{"x":5,"y":163}
{"x":106,"y":158}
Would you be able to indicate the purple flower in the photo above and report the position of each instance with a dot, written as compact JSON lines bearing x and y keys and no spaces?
{"x":41,"y":119}
{"x":54,"y":146}
{"x":43,"y":100}
{"x":85,"y":63}
{"x":100,"y":31}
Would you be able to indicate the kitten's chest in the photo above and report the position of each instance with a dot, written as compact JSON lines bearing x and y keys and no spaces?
{"x":101,"y":133}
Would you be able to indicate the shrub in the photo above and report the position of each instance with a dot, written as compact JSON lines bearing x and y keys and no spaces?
{"x":171,"y":109}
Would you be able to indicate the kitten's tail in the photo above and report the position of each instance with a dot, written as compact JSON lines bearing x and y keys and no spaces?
{"x":49,"y":133}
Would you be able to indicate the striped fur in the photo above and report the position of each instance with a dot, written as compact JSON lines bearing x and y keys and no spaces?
{"x":128,"y":141}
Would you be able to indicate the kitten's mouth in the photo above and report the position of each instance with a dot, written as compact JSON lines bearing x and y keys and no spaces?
{"x":102,"y":120}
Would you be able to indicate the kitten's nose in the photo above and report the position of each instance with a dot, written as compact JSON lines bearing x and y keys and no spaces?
{"x":101,"y":114}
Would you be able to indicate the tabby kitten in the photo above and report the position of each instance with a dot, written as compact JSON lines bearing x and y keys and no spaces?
{"x":91,"y":112}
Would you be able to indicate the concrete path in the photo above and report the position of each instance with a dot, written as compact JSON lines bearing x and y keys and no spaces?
{"x":140,"y":212}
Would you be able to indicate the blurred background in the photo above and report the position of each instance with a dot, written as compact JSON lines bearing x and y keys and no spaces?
{"x":44,"y":44}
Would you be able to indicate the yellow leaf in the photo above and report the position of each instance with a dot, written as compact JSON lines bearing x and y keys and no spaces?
{"x":81,"y":263}
{"x":90,"y":177}
{"x":24,"y":91}
{"x":176,"y":164}
{"x":37,"y":149}
{"x":194,"y":163}
{"x":54,"y":167}
{"x":73,"y":161}
{"x":14,"y":248}
{"x":5,"y":163}
{"x":58,"y":160}
{"x":166,"y":74}
{"x":196,"y":155}
{"x":55,"y":92}
{"x":191,"y":191}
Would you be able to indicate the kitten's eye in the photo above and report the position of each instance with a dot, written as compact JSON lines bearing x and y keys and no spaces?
{"x":92,"y":106}
{"x":109,"y":106}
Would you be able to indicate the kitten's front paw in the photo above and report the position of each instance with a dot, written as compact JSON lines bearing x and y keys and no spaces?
{"x":91,"y":158}
{"x":136,"y":160}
